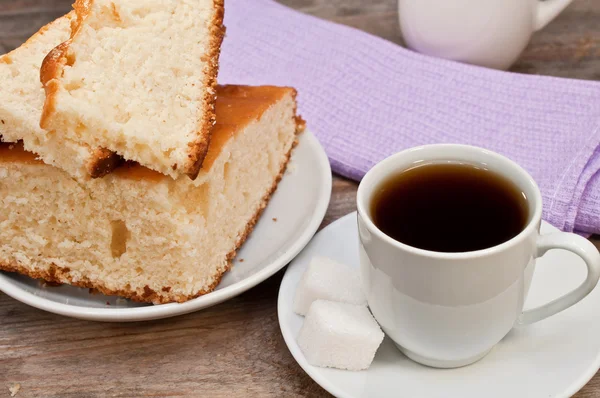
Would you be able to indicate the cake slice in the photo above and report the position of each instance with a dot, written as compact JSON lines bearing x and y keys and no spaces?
{"x":138,"y":77}
{"x":138,"y":233}
{"x":22,"y":98}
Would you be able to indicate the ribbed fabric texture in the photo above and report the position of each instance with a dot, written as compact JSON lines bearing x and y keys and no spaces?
{"x":366,"y":98}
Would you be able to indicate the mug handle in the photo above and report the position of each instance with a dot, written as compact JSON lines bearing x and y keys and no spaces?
{"x":584,"y":249}
{"x":548,"y":10}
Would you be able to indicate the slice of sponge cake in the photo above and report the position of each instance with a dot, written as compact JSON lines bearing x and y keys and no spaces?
{"x":22,"y":98}
{"x":138,"y":77}
{"x":140,"y":234}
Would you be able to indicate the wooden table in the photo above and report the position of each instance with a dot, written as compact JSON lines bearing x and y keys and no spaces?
{"x":236,"y":348}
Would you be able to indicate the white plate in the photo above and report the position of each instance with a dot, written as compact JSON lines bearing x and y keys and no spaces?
{"x":299,"y":205}
{"x":552,"y":358}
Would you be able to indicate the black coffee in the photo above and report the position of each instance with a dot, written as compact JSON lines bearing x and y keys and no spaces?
{"x":449,"y":208}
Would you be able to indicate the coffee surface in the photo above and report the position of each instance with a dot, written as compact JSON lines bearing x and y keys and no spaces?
{"x":449,"y":207}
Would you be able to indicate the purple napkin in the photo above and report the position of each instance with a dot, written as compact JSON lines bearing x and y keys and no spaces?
{"x":366,"y":98}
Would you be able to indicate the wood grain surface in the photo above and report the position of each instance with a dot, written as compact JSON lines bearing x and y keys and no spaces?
{"x":236,"y":348}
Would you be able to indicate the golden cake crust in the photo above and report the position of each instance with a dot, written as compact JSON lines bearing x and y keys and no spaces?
{"x":198,"y":150}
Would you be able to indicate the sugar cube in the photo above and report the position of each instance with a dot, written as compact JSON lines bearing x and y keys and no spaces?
{"x":339,"y":335}
{"x":328,"y":280}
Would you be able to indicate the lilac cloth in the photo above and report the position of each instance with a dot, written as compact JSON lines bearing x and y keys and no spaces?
{"x":366,"y":98}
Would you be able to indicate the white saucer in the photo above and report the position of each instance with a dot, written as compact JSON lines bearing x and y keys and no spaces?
{"x":298,"y":205}
{"x":553,"y":358}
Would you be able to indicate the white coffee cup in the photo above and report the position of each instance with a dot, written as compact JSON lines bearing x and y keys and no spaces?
{"x":490,"y":33}
{"x":449,"y":309}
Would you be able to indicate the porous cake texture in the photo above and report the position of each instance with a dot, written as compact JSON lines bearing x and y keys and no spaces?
{"x":328,"y":280}
{"x":138,"y":77}
{"x":339,"y":335}
{"x":22,"y":99}
{"x":138,"y":233}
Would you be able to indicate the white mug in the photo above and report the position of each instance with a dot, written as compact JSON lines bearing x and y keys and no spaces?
{"x":449,"y":309}
{"x":490,"y":33}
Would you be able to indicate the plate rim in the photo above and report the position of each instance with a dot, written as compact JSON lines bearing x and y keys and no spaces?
{"x":174,"y":309}
{"x":324,"y":382}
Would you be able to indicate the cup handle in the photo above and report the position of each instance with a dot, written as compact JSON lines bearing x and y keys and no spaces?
{"x":584,"y":249}
{"x":548,"y":10}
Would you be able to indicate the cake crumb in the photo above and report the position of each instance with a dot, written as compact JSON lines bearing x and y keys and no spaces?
{"x":241,"y":260}
{"x":274,"y":219}
{"x":291,"y":168}
{"x":121,"y":301}
{"x":14,"y":390}
{"x":107,"y":303}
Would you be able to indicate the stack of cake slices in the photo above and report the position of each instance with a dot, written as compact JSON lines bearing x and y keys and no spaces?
{"x":124,"y":167}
